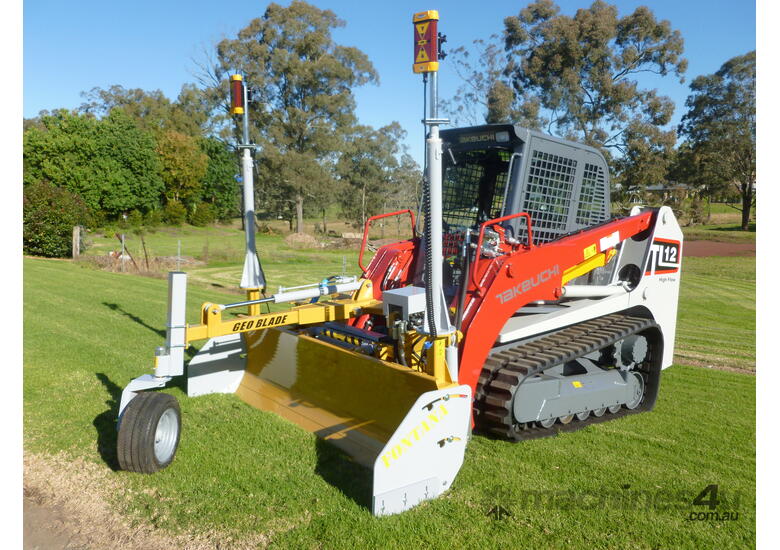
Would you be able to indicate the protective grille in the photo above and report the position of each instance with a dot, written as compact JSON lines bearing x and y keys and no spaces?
{"x":592,"y":196}
{"x":473,"y":189}
{"x":548,"y":195}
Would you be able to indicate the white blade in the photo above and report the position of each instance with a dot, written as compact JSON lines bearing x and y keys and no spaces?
{"x":422,"y":458}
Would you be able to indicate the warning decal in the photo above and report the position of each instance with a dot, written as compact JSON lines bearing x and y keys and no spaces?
{"x":422,"y":28}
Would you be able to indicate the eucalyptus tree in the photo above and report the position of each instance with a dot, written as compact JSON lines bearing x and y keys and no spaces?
{"x":577,"y":77}
{"x":720,"y":128}
{"x":302,"y":103}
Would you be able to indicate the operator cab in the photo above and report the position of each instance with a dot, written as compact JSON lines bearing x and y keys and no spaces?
{"x":501,"y":169}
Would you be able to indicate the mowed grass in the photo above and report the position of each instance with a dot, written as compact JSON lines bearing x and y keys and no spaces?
{"x":717,"y":313}
{"x":220,"y":249}
{"x":730,"y":232}
{"x":242,"y":471}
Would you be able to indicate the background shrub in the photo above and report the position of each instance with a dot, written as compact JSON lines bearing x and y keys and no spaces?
{"x":175,"y":213}
{"x":203,"y":214}
{"x":49,"y":214}
{"x":154,"y":218}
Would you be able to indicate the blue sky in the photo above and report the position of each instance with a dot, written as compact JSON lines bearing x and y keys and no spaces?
{"x":70,"y":47}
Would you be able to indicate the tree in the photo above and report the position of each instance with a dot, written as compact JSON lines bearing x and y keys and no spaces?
{"x":290,"y":58}
{"x":370,"y":171}
{"x":581,"y":69}
{"x":182,"y":167}
{"x":486,"y":94}
{"x":720,"y":127}
{"x":219,"y":183}
{"x":152,"y":111}
{"x":575,"y":77}
{"x":110,"y":163}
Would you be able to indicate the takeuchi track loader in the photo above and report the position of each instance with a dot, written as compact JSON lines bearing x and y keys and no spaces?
{"x":522,"y":308}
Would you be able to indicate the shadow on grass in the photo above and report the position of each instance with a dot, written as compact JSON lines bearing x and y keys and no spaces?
{"x":349,"y":477}
{"x":751,"y":228}
{"x":105,"y":423}
{"x":118,"y":308}
{"x":189,"y":353}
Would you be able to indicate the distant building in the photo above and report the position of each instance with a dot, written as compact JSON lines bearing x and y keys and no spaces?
{"x":663,"y":191}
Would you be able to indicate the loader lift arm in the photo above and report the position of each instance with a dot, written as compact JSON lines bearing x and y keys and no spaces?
{"x":506,"y":283}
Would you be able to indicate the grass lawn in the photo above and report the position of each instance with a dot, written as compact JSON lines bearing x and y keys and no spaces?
{"x":241,"y":471}
{"x":717,"y":313}
{"x":220,"y":250}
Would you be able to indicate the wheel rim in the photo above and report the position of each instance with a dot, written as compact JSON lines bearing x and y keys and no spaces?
{"x":639,"y":392}
{"x":546,"y":423}
{"x":600,"y":412}
{"x":165,"y":436}
{"x":566,"y":419}
{"x":583,"y":415}
{"x":614,"y":408}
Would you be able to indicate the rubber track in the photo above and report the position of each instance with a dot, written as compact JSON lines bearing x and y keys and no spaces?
{"x":504,"y":371}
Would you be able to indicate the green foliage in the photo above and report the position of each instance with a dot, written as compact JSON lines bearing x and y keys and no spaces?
{"x":135,"y":219}
{"x":151,"y":111}
{"x":202,"y":214}
{"x":720,"y":130}
{"x":219,"y":186}
{"x":49,"y":214}
{"x":486,"y":94}
{"x":175,"y":213}
{"x":290,"y":58}
{"x":182,"y":166}
{"x":582,"y":69}
{"x":575,"y":76}
{"x":109,"y":163}
{"x":370,"y":173}
{"x":153,"y":218}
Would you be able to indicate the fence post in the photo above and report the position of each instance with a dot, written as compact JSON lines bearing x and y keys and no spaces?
{"x":76,"y":242}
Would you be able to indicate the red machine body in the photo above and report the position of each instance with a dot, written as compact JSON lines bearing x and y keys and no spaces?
{"x":499,"y":287}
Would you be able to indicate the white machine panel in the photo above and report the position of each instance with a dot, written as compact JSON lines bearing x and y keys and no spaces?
{"x":422,"y":458}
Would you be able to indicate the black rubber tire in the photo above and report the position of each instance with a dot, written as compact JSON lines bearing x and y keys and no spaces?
{"x":137,"y":430}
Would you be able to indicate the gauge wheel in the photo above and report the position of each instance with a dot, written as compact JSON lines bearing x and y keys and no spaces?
{"x":149,"y":431}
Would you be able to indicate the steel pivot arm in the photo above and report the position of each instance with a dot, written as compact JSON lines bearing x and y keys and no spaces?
{"x":212,"y":324}
{"x":169,"y":360}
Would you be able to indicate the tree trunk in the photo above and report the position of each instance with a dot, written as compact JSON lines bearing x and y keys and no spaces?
{"x":299,"y":213}
{"x":747,"y":202}
{"x":324,"y":223}
{"x":363,"y":207}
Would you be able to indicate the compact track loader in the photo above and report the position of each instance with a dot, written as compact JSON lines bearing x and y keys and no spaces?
{"x":520,"y":310}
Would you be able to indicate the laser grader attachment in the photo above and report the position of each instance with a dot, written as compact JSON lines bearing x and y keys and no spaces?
{"x":409,"y":426}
